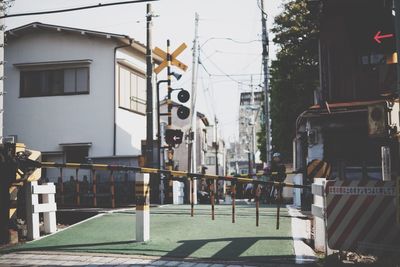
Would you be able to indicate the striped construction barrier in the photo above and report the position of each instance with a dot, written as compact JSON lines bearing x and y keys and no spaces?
{"x":318,"y":169}
{"x":13,"y":202}
{"x":361,"y":216}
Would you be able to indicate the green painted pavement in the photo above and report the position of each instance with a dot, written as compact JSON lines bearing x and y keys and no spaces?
{"x":174,"y":234}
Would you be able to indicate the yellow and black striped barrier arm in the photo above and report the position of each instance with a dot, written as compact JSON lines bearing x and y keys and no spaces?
{"x":168,"y":173}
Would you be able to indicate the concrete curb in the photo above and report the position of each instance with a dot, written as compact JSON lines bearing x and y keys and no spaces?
{"x":301,"y":231}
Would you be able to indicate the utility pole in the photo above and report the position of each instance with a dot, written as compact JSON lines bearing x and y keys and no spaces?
{"x":4,"y":185}
{"x":252,"y":123}
{"x":265,"y":54}
{"x":216,"y":145}
{"x":192,"y":130}
{"x":154,"y":183}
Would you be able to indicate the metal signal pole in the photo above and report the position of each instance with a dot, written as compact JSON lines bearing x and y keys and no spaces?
{"x":149,"y":91}
{"x":265,"y":55}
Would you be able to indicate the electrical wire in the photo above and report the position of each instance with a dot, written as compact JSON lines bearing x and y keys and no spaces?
{"x":208,"y":105}
{"x":223,"y":72}
{"x":236,"y":53}
{"x":224,"y":75}
{"x":229,"y":39}
{"x":75,"y":8}
{"x":204,"y":68}
{"x":244,"y":74}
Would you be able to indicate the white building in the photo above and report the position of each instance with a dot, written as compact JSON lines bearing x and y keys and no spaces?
{"x":75,"y":94}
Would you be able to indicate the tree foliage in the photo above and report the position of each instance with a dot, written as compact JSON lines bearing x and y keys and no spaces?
{"x":294,"y":73}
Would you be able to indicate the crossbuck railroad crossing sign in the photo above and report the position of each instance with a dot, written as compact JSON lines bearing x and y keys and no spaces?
{"x":161,"y":53}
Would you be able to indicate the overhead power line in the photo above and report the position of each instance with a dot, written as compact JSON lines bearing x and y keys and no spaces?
{"x":229,"y":39}
{"x":223,"y":73}
{"x":242,"y":74}
{"x":74,"y":8}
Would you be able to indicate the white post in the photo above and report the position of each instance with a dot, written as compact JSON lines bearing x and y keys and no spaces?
{"x":319,"y":212}
{"x":49,"y":218}
{"x":33,"y":208}
{"x":32,"y":218}
{"x":297,"y":179}
{"x":142,"y":189}
{"x":177,"y":192}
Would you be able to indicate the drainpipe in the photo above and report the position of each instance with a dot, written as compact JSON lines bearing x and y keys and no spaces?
{"x":115,"y":96}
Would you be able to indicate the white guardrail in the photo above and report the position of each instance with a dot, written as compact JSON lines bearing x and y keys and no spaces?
{"x":48,"y":207}
{"x":318,"y":210}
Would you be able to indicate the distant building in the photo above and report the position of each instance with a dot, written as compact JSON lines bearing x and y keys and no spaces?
{"x":212,"y":154}
{"x":237,"y":163}
{"x":204,"y":148}
{"x":250,"y":119}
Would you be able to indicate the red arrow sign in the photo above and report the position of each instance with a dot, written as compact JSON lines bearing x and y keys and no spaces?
{"x":378,"y":36}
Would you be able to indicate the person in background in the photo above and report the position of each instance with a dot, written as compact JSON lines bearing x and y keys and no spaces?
{"x":277,"y":173}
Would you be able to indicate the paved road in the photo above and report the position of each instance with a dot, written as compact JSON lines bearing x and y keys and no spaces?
{"x":174,"y":235}
{"x":51,"y":258}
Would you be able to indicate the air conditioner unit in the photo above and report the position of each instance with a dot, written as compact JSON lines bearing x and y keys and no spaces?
{"x":377,"y":120}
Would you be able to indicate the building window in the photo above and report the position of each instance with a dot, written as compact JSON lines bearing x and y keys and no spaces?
{"x":210,"y":160}
{"x":244,"y":171}
{"x":68,"y":81}
{"x":132,"y":90}
{"x":76,"y":154}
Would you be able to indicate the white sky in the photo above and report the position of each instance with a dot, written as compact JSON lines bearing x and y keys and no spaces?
{"x":237,"y":19}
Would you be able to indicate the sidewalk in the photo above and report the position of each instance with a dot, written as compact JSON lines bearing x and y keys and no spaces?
{"x":51,"y":258}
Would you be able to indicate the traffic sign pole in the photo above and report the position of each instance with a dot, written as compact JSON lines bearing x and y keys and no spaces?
{"x":169,"y":84}
{"x":170,"y":165}
{"x":170,"y":60}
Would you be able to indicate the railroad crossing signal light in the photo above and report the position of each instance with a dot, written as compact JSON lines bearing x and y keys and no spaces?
{"x":173,"y":136}
{"x":183,"y":112}
{"x":183,"y":96}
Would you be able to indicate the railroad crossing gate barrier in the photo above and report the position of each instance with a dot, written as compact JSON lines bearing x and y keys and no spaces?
{"x":361,"y":216}
{"x":48,"y":207}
